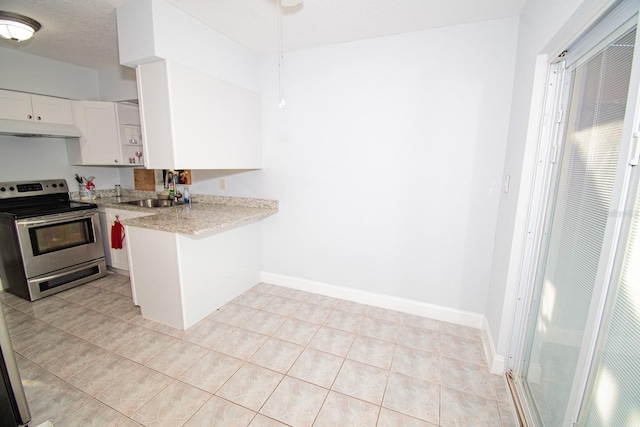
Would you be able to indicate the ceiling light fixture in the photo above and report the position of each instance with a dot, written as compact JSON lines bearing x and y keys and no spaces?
{"x":17,"y":27}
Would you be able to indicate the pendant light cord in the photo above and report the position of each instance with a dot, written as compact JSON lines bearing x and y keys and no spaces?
{"x":280,"y":56}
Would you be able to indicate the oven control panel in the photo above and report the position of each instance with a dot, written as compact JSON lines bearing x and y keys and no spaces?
{"x":32,"y":188}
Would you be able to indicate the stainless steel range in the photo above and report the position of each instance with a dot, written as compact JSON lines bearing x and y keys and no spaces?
{"x":49,"y":243}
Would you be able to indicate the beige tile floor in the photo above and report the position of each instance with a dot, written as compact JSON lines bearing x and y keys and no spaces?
{"x":272,"y":357}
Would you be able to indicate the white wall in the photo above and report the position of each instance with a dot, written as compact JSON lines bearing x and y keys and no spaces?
{"x":542,"y":24}
{"x":118,"y":84}
{"x":46,"y":158}
{"x":387,"y":161}
{"x":28,"y":73}
{"x":34,"y":74}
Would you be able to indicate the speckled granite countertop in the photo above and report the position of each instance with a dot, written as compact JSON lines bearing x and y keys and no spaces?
{"x":207,"y":215}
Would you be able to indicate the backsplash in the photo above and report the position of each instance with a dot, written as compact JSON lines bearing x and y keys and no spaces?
{"x":235,"y":201}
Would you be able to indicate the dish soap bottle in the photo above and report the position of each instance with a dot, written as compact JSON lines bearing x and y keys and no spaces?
{"x":171,"y":192}
{"x":186,"y":195}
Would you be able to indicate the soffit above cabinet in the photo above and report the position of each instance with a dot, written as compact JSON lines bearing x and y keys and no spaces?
{"x":147,"y":33}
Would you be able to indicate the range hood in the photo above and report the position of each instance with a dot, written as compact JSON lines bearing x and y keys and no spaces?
{"x":26,"y":128}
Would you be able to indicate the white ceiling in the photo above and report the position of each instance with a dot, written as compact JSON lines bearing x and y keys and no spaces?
{"x":253,"y":23}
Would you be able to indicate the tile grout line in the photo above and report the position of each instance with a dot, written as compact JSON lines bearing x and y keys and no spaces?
{"x":140,"y":365}
{"x":367,"y":314}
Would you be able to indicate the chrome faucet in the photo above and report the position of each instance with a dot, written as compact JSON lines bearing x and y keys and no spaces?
{"x":170,"y":177}
{"x":167,"y":177}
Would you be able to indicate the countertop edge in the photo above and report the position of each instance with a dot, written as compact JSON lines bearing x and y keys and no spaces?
{"x":198,"y":232}
{"x":195,"y":220}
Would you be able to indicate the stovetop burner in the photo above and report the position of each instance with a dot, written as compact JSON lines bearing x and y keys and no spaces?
{"x":46,"y":209}
{"x":26,"y":199}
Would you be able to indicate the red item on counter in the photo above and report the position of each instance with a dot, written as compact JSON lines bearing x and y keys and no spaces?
{"x":117,"y":234}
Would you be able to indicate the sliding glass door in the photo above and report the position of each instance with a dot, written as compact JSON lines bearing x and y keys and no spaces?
{"x":559,"y":376}
{"x":613,"y":397}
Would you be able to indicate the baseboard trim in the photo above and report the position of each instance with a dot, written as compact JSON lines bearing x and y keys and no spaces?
{"x":496,"y":363}
{"x":446,"y":314}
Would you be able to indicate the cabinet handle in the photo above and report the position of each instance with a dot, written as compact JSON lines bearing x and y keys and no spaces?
{"x":29,"y":116}
{"x":116,"y":160}
{"x":39,"y":118}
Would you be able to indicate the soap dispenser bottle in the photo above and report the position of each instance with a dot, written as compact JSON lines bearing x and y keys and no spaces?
{"x":186,"y":195}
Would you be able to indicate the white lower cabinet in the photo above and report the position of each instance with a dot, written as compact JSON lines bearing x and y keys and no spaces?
{"x":117,"y":259}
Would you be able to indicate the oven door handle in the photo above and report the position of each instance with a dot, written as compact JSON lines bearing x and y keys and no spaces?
{"x":51,"y":219}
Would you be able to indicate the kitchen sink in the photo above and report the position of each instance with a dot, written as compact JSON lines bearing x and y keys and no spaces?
{"x":154,"y":203}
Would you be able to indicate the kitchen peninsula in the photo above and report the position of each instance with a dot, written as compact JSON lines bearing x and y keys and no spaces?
{"x":187,"y":261}
{"x":197,"y":112}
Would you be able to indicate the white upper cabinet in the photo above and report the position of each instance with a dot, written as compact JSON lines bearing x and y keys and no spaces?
{"x":111,"y":134}
{"x":192,"y":120}
{"x":15,"y":106}
{"x":51,"y":110}
{"x":35,"y":108}
{"x":98,"y":144}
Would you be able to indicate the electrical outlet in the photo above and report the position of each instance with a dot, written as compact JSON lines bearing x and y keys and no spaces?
{"x":223,"y":184}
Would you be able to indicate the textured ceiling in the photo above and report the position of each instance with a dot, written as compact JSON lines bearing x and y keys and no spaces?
{"x":252,"y":23}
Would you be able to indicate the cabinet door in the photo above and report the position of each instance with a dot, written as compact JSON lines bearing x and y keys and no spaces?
{"x":117,"y":258}
{"x":15,"y":105}
{"x":51,"y":110}
{"x":99,"y":144}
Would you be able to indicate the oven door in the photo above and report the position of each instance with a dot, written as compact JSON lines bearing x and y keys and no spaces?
{"x":54,"y":242}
